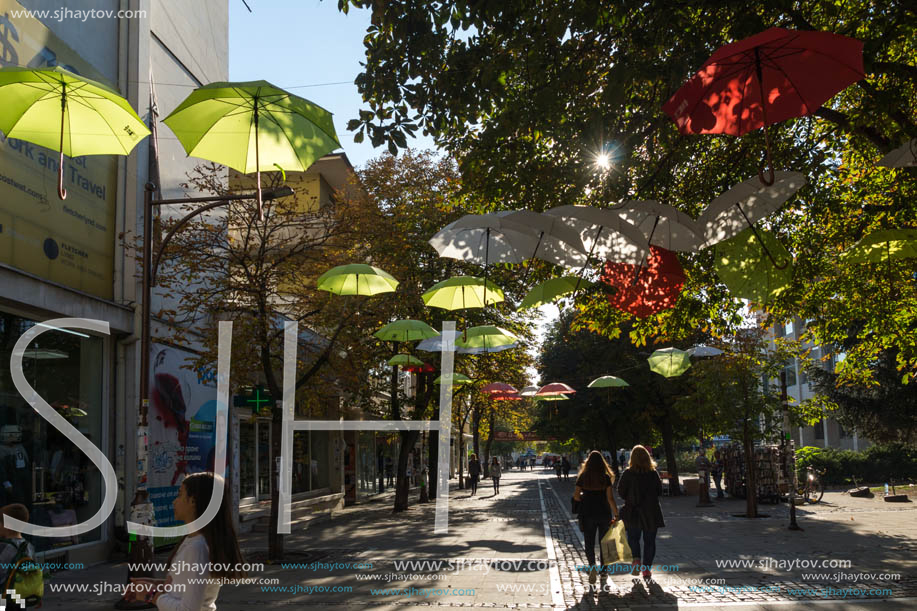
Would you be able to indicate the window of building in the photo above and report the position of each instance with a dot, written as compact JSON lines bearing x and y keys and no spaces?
{"x":820,"y":430}
{"x":41,"y":467}
{"x":788,"y":329}
{"x":790,"y":369}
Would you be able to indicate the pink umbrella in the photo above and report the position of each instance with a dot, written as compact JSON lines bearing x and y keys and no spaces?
{"x":498,"y":388}
{"x":506,"y":396}
{"x":554,"y":388}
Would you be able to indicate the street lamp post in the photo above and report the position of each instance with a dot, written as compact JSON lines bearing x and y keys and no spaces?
{"x":141,"y":549}
{"x":789,"y":465}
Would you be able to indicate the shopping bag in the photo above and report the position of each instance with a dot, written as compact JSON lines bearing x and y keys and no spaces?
{"x":614,"y":545}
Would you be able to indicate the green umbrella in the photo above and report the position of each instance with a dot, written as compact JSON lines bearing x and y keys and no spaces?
{"x":94,"y":119}
{"x":236,"y":124}
{"x":743,"y":266}
{"x":462,"y":292}
{"x":457,"y":379}
{"x":357,"y":279}
{"x":883,"y":245}
{"x":550,"y":290}
{"x":607,"y":382}
{"x":669,"y":362}
{"x":552,"y":398}
{"x":406,"y":331}
{"x":404,"y":359}
{"x":486,"y":336}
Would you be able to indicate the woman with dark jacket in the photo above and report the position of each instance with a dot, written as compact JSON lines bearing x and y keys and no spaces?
{"x":597,"y":508}
{"x":641,"y":487}
{"x":474,"y":472}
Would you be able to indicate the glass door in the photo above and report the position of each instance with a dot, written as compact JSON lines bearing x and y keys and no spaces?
{"x":264,"y":459}
{"x":247,"y":466}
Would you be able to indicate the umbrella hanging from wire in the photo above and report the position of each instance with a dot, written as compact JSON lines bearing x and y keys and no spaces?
{"x":550,"y":291}
{"x":462,"y":293}
{"x":94,"y":119}
{"x":435,"y":344}
{"x":748,"y":202}
{"x":607,"y":382}
{"x":498,"y":387}
{"x":555,"y":388}
{"x":557,"y":242}
{"x":458,"y":379}
{"x":486,"y":336}
{"x":529,"y":391}
{"x":702,"y":351}
{"x":406,"y":330}
{"x":742,"y":266}
{"x":405,"y":359}
{"x":253,"y":126}
{"x":882,"y":246}
{"x":905,"y":156}
{"x":767,"y":78}
{"x":357,"y":279}
{"x":648,"y":289}
{"x":669,"y":362}
{"x":663,"y":226}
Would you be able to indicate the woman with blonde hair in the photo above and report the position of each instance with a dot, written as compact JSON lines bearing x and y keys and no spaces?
{"x":598,"y":509}
{"x":641,"y":487}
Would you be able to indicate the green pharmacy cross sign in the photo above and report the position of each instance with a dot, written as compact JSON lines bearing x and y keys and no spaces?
{"x":256,"y":398}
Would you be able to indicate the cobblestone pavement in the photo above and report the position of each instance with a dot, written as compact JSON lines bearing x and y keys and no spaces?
{"x":520,"y":549}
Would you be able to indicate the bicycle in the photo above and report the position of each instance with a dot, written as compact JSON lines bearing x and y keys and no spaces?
{"x":811,"y":489}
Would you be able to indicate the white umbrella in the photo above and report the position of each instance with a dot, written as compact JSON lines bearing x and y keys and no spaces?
{"x":485,"y":239}
{"x":702,"y":351}
{"x":435,"y":344}
{"x":557,"y":242}
{"x":528,"y":391}
{"x":605,"y":234}
{"x":663,"y":225}
{"x":902,"y":157}
{"x":741,"y":206}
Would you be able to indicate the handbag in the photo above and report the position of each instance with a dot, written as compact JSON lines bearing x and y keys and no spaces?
{"x":615,"y":548}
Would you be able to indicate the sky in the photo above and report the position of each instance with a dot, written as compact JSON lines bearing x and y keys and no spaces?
{"x":311,"y":49}
{"x":314,"y":51}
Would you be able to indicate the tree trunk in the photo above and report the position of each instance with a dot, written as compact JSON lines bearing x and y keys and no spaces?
{"x":751,"y":475}
{"x":408,"y":439}
{"x":490,"y":440}
{"x":668,"y":442}
{"x":476,"y":431}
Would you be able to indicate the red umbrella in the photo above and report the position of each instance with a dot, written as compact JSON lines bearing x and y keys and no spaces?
{"x":506,"y":396}
{"x":425,"y":368}
{"x":555,"y":388}
{"x":795,"y":72}
{"x":657,"y":286}
{"x":498,"y":388}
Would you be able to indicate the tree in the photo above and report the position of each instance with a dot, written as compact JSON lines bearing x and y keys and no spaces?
{"x":730,"y":390}
{"x":260,"y":273}
{"x":410,"y":198}
{"x":884,"y":412}
{"x":553,"y":84}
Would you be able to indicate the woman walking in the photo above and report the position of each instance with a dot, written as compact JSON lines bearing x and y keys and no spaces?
{"x":474,"y":472}
{"x":641,"y":487}
{"x":495,"y":473}
{"x":204,"y":557}
{"x":597,"y":505}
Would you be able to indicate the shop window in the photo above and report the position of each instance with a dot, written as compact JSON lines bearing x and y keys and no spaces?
{"x":301,"y":470}
{"x":319,"y":460}
{"x":40,"y":467}
{"x":246,"y":459}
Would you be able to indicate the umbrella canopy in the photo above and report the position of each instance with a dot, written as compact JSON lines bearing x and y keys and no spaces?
{"x":457,"y":379}
{"x":607,"y":382}
{"x":356,"y":279}
{"x":770,"y":77}
{"x":498,"y":387}
{"x":405,"y":359}
{"x":663,"y":225}
{"x":552,"y":398}
{"x":703,"y":351}
{"x":657,"y":287}
{"x":406,"y":331}
{"x":749,"y":201}
{"x":883,"y":245}
{"x":485,"y":239}
{"x":462,"y":293}
{"x":506,"y":396}
{"x":486,"y":336}
{"x":558,"y":243}
{"x":555,"y":388}
{"x":435,"y":344}
{"x":253,"y":126}
{"x":904,"y":156}
{"x":743,"y":266}
{"x":422,"y":368}
{"x":605,"y":234}
{"x":93,"y":118}
{"x":529,"y":391}
{"x":669,"y":362}
{"x":551,"y":290}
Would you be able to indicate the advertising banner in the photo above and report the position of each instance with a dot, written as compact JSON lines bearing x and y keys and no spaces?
{"x":69,"y":241}
{"x":182,"y":420}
